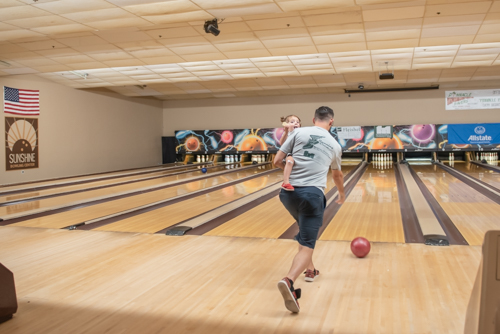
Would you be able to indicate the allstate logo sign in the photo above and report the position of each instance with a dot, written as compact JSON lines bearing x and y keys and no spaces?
{"x":479,"y":130}
{"x":480,"y":137}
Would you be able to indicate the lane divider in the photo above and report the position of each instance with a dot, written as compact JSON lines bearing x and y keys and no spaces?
{"x":32,"y":187}
{"x":35,"y":213}
{"x":108,"y":219}
{"x":69,"y":192}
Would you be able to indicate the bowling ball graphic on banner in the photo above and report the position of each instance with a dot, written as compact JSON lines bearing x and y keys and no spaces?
{"x":417,"y":137}
{"x":393,"y":143}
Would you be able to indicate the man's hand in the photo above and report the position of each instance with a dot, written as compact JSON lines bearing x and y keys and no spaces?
{"x":341,"y":199}
{"x":338,"y":179}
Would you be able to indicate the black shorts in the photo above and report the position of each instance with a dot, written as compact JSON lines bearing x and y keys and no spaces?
{"x":306,"y":205}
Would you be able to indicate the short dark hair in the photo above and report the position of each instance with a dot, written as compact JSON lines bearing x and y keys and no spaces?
{"x":323,"y":114}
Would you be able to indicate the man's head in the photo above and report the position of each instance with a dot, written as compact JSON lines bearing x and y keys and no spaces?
{"x":323,"y":117}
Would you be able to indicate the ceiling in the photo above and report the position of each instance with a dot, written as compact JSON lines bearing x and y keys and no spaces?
{"x":159,"y":48}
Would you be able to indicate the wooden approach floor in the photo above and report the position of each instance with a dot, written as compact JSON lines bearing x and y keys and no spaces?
{"x":111,"y":282}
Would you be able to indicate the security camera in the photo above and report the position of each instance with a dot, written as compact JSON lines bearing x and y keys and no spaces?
{"x":361,"y":87}
{"x":211,"y":27}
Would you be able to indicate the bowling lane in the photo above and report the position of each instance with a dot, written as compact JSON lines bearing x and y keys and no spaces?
{"x":80,"y":178}
{"x":97,"y":193}
{"x":471,"y":212}
{"x":371,"y":210}
{"x":91,"y":184}
{"x":267,"y":220}
{"x":156,"y":220}
{"x":483,"y":174}
{"x":81,"y":215}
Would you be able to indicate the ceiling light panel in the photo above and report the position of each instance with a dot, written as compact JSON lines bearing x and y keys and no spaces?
{"x":159,"y":8}
{"x":476,"y":7}
{"x":277,"y":23}
{"x":211,"y":4}
{"x":301,"y":5}
{"x":244,"y":71}
{"x":336,"y":18}
{"x":199,"y":15}
{"x":269,"y":8}
{"x":21,"y":12}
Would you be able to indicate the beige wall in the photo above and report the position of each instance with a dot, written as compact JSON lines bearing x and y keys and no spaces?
{"x":416,"y":107}
{"x":86,"y":132}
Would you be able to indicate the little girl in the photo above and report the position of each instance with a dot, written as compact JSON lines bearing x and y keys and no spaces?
{"x":290,"y":123}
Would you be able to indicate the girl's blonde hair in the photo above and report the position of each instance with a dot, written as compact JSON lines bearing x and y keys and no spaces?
{"x":287,"y":118}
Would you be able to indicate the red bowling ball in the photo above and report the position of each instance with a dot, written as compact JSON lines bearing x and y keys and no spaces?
{"x":360,"y":247}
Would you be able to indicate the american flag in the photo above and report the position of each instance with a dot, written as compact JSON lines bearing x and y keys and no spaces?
{"x":21,"y":101}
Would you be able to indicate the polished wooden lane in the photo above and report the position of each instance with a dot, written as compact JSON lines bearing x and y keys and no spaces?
{"x":267,"y":220}
{"x":91,"y":184}
{"x":483,"y":174}
{"x":371,"y":210}
{"x":78,"y":216}
{"x":471,"y":212}
{"x":156,"y":220}
{"x":82,"y":178}
{"x":107,"y":282}
{"x":97,"y":193}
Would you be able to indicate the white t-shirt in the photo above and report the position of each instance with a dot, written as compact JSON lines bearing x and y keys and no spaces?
{"x":314,"y":151}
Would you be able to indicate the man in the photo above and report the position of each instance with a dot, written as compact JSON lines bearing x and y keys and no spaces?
{"x":314,"y":150}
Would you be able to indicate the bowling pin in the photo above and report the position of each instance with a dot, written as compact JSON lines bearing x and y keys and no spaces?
{"x":198,"y":158}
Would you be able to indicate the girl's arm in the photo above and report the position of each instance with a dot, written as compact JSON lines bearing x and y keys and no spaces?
{"x":284,"y":136}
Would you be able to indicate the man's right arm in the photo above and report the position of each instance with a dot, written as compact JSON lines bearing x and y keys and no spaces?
{"x":338,"y":179}
{"x":278,"y":160}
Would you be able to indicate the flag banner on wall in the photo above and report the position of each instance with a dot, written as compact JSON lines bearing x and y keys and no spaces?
{"x":474,"y":134}
{"x":21,"y":101}
{"x":473,"y":99}
{"x":21,"y":143}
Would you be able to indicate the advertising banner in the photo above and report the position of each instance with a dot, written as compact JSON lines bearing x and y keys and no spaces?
{"x":242,"y":140}
{"x":348,"y":132}
{"x":473,"y":99}
{"x":445,"y":145}
{"x":479,"y":134}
